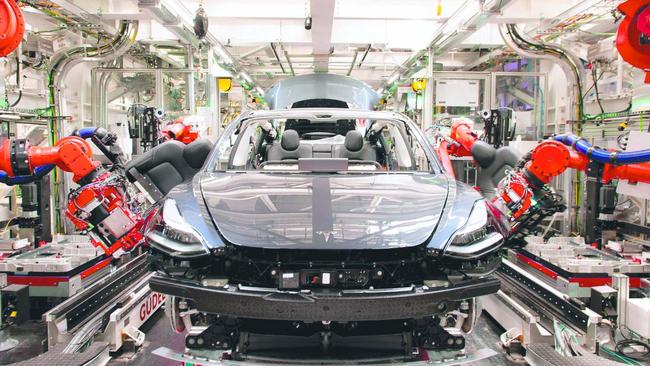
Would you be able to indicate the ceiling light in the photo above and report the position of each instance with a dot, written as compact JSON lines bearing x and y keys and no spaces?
{"x":260,"y":91}
{"x":380,"y":91}
{"x":393,"y":79}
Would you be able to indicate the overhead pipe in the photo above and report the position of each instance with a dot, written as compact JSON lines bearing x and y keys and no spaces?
{"x":365,"y":54}
{"x":528,"y":48}
{"x":286,"y":55}
{"x":354,"y":60}
{"x":62,"y":61}
{"x":573,"y":70}
{"x":277,"y":57}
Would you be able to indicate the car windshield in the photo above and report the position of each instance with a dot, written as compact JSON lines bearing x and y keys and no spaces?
{"x":322,"y":144}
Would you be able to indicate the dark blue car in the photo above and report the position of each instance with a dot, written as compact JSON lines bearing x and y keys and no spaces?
{"x":323,"y":221}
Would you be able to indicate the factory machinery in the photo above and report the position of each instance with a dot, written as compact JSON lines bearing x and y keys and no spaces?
{"x":91,"y":287}
{"x":566,"y":300}
{"x":585,"y":295}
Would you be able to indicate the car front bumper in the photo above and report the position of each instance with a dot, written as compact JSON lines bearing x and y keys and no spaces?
{"x":322,"y":305}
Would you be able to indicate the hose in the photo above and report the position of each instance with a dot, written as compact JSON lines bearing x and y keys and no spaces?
{"x":39,"y":172}
{"x":621,"y":347}
{"x":18,"y":80}
{"x":62,"y":61}
{"x":85,"y":132}
{"x":603,"y":156}
{"x":514,"y":40}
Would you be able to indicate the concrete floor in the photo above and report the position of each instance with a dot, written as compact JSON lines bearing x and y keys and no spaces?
{"x":28,"y":341}
{"x":22,"y":342}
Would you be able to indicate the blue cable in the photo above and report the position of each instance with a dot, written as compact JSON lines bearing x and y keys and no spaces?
{"x":86,"y":132}
{"x":603,"y":156}
{"x":39,"y":172}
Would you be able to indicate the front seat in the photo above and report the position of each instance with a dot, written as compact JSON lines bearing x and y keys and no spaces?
{"x":167,"y":165}
{"x":493,"y":164}
{"x":289,"y":148}
{"x":354,"y":148}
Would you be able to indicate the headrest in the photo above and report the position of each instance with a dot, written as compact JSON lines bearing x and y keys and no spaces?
{"x":290,"y":140}
{"x":196,"y":152}
{"x":353,"y":140}
{"x":483,"y":153}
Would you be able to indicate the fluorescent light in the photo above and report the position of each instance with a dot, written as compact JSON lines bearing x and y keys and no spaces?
{"x":224,"y":55}
{"x":393,"y":78}
{"x":380,"y":91}
{"x":260,"y":91}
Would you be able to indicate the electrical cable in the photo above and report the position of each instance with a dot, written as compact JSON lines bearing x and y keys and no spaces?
{"x":593,"y":75}
{"x":625,"y":360}
{"x":636,"y":355}
{"x":20,"y":92}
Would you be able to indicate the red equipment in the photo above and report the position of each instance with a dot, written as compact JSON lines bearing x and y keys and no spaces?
{"x":633,"y":37}
{"x":462,"y":133}
{"x":179,"y":131}
{"x":12,"y":27}
{"x":524,"y":189}
{"x":98,"y":206}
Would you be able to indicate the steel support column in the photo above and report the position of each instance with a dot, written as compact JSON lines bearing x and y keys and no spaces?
{"x":427,"y":111}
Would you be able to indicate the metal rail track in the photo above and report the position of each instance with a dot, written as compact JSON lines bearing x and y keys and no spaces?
{"x":546,"y":302}
{"x":73,"y":313}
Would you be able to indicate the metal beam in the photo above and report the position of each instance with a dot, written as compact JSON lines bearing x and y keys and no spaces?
{"x":365,"y":54}
{"x":354,"y":60}
{"x":286,"y":55}
{"x":250,"y":53}
{"x":451,"y":33}
{"x":322,"y":13}
{"x":277,"y":57}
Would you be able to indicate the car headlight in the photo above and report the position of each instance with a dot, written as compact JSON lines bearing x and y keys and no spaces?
{"x":174,"y":227}
{"x":475,"y":237}
{"x":475,"y":228}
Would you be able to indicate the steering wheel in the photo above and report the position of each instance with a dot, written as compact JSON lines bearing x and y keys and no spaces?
{"x":317,"y":135}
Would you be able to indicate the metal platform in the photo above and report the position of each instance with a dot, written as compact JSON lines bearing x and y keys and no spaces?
{"x":59,"y":269}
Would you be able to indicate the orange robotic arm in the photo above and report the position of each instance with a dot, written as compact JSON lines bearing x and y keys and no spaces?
{"x":71,"y":154}
{"x":99,"y":206}
{"x":461,"y":132}
{"x":551,"y":158}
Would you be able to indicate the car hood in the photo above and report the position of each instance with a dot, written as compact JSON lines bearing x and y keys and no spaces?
{"x":325,"y":211}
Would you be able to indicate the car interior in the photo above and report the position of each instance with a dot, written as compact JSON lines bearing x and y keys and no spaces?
{"x":278,"y":145}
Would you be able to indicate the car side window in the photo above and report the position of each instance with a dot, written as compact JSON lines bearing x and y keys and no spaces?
{"x":404,"y":151}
